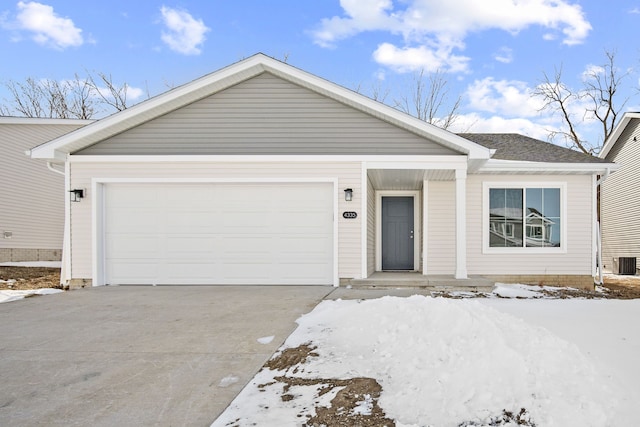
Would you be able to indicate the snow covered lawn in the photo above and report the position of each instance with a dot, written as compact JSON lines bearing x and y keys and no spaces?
{"x":423,"y":361}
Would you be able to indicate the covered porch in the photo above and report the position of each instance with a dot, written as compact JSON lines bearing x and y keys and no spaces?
{"x":415,"y":228}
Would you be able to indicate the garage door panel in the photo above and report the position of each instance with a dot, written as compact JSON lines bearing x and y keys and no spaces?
{"x":132,"y":245}
{"x":277,"y":233}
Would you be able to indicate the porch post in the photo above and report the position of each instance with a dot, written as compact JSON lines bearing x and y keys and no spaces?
{"x":461,"y":224}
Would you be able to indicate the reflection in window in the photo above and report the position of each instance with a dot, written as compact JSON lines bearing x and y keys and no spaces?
{"x":511,"y":225}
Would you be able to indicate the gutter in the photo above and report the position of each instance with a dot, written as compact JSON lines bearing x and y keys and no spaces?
{"x":51,"y":168}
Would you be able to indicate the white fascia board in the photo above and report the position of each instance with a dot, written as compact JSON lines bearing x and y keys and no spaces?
{"x":389,"y":162}
{"x":431,"y":162}
{"x":497,"y":166}
{"x":613,"y":138}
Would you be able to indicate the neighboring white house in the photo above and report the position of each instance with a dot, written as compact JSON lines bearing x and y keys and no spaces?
{"x":620,"y":196}
{"x":32,"y":213}
{"x":261,"y":173}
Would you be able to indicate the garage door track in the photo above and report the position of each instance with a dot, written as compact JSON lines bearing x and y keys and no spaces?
{"x":166,"y":355}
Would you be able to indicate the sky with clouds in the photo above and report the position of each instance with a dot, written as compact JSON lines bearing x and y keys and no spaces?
{"x":492,"y":53}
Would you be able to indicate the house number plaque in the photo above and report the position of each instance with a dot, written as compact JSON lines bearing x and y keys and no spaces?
{"x":349,"y":215}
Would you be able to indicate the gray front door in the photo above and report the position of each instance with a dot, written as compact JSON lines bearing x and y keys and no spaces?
{"x":397,"y":233}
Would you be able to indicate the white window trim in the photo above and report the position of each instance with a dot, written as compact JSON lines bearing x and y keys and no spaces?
{"x":486,"y":249}
{"x":417,"y":235}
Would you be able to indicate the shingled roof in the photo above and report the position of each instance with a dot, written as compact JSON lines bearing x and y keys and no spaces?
{"x":513,"y":146}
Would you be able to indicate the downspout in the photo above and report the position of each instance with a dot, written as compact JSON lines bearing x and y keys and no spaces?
{"x":65,"y":237}
{"x":599,"y":280}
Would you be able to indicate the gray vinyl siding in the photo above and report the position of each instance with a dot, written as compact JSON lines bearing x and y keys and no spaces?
{"x":441,"y":227}
{"x":348,"y":175}
{"x":266,"y":115}
{"x":620,"y":200}
{"x":32,"y":195}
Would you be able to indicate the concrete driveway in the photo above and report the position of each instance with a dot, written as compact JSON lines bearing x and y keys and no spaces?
{"x":166,"y":355}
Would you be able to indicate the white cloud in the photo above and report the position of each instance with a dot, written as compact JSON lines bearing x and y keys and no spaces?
{"x":434,"y":29}
{"x":506,"y":97}
{"x":184,"y":34}
{"x":416,"y":58}
{"x":476,"y":123}
{"x":504,"y":55}
{"x":46,"y":27}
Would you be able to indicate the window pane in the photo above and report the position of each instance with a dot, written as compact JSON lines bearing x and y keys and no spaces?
{"x":505,"y":217}
{"x":552,"y":202}
{"x":542,"y":217}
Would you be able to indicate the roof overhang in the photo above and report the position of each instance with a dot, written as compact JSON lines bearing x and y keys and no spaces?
{"x":236,"y":73}
{"x":519,"y":167}
{"x":613,"y":138}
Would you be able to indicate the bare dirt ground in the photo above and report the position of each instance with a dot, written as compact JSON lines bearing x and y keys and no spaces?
{"x":24,"y":278}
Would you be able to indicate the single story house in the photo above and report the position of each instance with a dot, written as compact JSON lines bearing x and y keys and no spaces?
{"x":32,"y":213}
{"x":261,"y":173}
{"x":620,"y":198}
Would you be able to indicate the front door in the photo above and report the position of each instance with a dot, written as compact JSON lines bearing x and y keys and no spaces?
{"x":397,"y":233}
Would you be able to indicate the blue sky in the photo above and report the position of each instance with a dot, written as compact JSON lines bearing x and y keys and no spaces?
{"x":492,"y":52}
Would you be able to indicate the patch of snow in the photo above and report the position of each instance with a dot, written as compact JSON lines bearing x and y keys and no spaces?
{"x":365,"y":406}
{"x":266,"y":340}
{"x":445,"y":362}
{"x":228,"y":380}
{"x":48,"y":264}
{"x":8,"y":295}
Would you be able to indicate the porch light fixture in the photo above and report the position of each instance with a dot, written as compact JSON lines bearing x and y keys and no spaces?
{"x":76,"y":194}
{"x":348,"y":194}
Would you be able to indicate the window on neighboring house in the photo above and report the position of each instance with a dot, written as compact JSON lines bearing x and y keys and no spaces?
{"x":525,"y":217}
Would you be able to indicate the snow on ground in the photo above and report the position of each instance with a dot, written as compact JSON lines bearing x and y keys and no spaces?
{"x":449,"y":362}
{"x":7,"y":295}
{"x":48,"y":264}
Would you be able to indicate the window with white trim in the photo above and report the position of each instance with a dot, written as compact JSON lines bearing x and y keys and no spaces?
{"x":524,"y":217}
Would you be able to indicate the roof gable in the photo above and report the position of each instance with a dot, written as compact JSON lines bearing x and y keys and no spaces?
{"x":628,"y":119}
{"x":232,"y":75}
{"x":266,"y":115}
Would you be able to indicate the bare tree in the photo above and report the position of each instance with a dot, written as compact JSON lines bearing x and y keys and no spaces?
{"x":80,"y":98}
{"x":595,"y":100}
{"x":377,"y":91}
{"x":427,"y":98}
{"x":111,"y":94}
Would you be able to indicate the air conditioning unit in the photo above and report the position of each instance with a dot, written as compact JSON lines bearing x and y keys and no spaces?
{"x":627,"y":265}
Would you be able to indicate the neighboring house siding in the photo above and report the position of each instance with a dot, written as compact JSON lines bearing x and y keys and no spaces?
{"x":348,"y":175}
{"x":266,"y":115}
{"x":441,"y":227}
{"x":579,"y":222}
{"x":620,"y":203}
{"x":32,"y":196}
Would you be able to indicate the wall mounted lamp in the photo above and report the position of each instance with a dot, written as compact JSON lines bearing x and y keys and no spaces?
{"x":76,"y":194}
{"x":348,"y":194}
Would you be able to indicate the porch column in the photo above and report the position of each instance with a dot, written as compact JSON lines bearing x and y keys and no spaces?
{"x":461,"y":224}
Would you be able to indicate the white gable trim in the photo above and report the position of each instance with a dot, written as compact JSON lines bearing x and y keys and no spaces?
{"x":234,"y":74}
{"x":613,"y":138}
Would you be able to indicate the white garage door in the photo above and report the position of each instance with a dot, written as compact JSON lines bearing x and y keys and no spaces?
{"x":214,"y":233}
